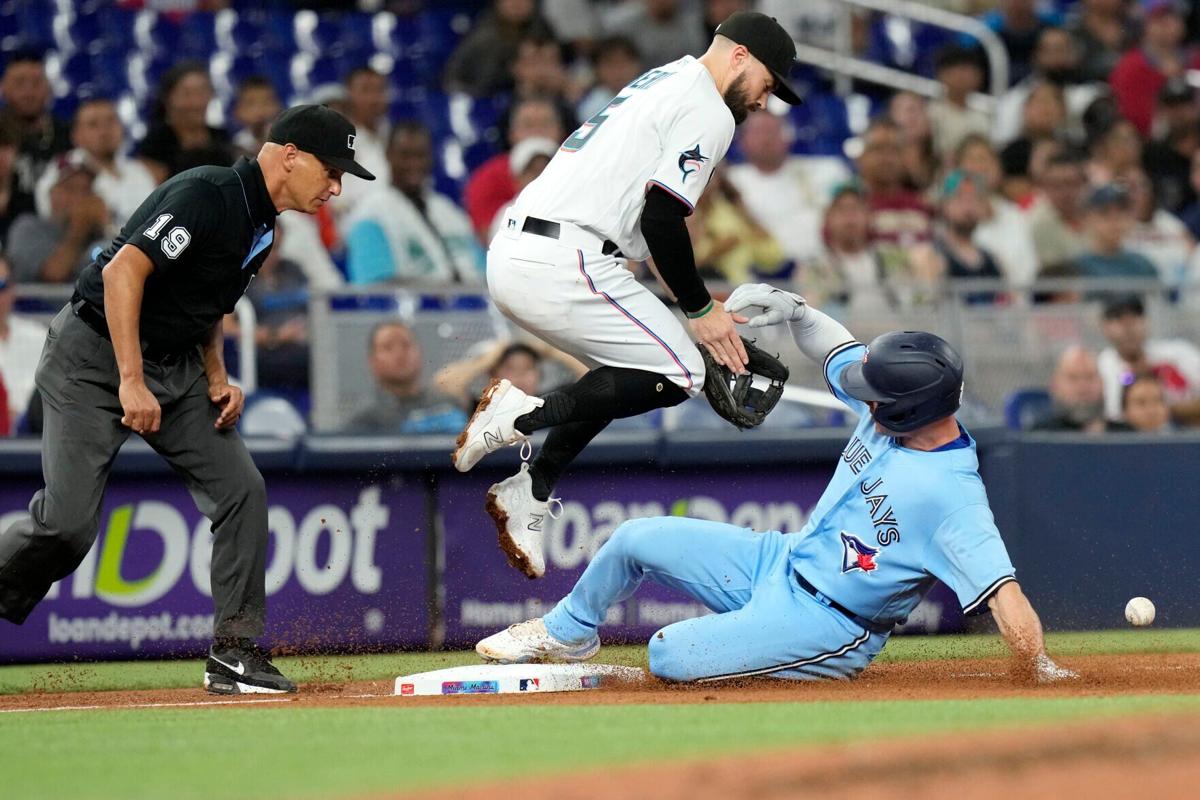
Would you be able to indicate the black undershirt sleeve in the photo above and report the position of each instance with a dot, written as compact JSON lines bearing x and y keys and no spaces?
{"x":667,"y":236}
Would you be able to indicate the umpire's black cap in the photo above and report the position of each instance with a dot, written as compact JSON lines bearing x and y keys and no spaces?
{"x":915,"y":377}
{"x":769,"y":43}
{"x":323,"y":132}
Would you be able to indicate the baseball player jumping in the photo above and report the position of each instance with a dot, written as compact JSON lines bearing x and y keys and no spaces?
{"x":619,"y":187}
{"x":905,"y":506}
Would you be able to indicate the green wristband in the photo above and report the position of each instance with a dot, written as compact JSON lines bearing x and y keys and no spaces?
{"x":701,"y":312}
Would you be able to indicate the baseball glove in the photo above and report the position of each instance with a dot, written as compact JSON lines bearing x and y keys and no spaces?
{"x":734,"y":397}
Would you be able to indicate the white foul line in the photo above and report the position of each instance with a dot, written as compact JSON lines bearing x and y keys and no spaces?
{"x":147,"y":705}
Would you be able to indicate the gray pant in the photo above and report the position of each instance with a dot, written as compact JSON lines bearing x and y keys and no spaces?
{"x":82,"y":432}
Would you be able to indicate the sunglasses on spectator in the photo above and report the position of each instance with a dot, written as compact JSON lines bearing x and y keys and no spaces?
{"x":4,"y":283}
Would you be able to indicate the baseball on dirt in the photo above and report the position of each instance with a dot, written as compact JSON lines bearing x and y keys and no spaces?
{"x":1139,"y":611}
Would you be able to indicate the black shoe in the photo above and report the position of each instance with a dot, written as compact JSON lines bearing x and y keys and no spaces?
{"x":240,"y":666}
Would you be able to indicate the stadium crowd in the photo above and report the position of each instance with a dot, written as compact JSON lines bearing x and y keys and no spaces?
{"x":1086,"y":168}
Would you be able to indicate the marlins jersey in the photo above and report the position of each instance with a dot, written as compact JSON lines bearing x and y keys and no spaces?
{"x":894,"y":519}
{"x":669,"y":128}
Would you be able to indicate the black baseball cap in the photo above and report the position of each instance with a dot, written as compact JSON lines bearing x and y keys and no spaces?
{"x":323,"y":132}
{"x":767,"y":41}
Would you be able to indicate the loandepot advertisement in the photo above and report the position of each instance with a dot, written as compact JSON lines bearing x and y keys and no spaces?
{"x":346,"y":567}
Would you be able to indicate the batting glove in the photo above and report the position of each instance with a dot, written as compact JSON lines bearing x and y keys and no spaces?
{"x":776,"y":305}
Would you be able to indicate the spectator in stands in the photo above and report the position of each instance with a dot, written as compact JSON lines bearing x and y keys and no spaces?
{"x":538,"y":70}
{"x":1104,"y":30}
{"x":964,"y":199}
{"x":54,"y":248}
{"x":1020,"y":162}
{"x":898,"y":215}
{"x":526,"y":161}
{"x":1140,"y":74}
{"x":21,"y":341}
{"x":401,"y":404}
{"x":480,"y":64}
{"x":491,"y":185}
{"x":786,"y":194}
{"x":717,"y":11}
{"x":910,"y":112}
{"x":1019,"y":24}
{"x":279,"y":295}
{"x":728,"y":243}
{"x":1167,"y":156}
{"x":1115,"y":149}
{"x":1003,"y":231}
{"x":616,"y":63}
{"x":1191,"y":214}
{"x":180,"y":137}
{"x":519,"y":362}
{"x":9,"y":141}
{"x":1044,"y":115}
{"x":256,"y":107}
{"x":1056,"y":220}
{"x":1056,"y":61}
{"x":1108,"y":219}
{"x":851,"y":270}
{"x":6,"y":424}
{"x":1157,"y":234}
{"x":1144,"y":405}
{"x":1076,"y":395}
{"x":407,"y":231}
{"x":663,"y":30}
{"x":41,"y":136}
{"x":575,"y":22}
{"x":960,"y":72}
{"x":1175,"y":362}
{"x":99,"y":139}
{"x":367,"y":98}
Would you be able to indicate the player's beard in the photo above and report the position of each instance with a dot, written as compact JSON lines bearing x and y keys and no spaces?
{"x":738,"y":99}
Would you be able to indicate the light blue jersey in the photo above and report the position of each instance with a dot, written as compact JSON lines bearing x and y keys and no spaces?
{"x":892,"y":520}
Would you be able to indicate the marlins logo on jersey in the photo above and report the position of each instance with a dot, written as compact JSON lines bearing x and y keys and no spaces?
{"x":691,"y":157}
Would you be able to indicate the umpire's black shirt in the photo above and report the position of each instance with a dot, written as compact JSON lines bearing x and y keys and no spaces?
{"x":207,"y":230}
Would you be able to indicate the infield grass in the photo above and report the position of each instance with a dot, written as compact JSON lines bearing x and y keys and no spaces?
{"x":343,"y":752}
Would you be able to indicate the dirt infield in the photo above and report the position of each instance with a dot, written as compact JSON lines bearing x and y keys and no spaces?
{"x":1155,"y":757}
{"x":916,"y":680}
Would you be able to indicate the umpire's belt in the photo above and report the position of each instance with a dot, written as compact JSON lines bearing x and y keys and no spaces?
{"x":94,"y":318}
{"x":572,"y":235}
{"x":862,"y":622}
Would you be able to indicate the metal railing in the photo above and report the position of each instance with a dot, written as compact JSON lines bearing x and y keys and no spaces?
{"x":846,"y":66}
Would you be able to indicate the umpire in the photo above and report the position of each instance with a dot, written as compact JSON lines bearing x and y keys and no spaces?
{"x":139,"y":348}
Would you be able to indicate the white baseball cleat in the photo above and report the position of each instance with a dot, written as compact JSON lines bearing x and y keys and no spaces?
{"x":492,"y":426}
{"x":529,"y":641}
{"x":520,"y":522}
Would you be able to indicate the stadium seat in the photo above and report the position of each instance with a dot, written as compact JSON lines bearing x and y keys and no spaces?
{"x":822,"y":125}
{"x":1024,"y":407}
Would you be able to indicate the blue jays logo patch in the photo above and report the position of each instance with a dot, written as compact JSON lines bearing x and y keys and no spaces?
{"x":691,"y":157}
{"x":857,"y":554}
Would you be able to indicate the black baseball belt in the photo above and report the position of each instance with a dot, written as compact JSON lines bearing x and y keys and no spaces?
{"x":93,"y":317}
{"x":821,"y":597}
{"x":553,"y":230}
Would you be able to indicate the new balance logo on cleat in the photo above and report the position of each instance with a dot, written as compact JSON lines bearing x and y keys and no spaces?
{"x":492,"y":441}
{"x":535,"y":522}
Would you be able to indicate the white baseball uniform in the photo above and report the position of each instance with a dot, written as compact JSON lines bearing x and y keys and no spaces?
{"x":670,"y":128}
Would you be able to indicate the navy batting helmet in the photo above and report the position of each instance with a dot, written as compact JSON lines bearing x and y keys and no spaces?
{"x":915,"y":377}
